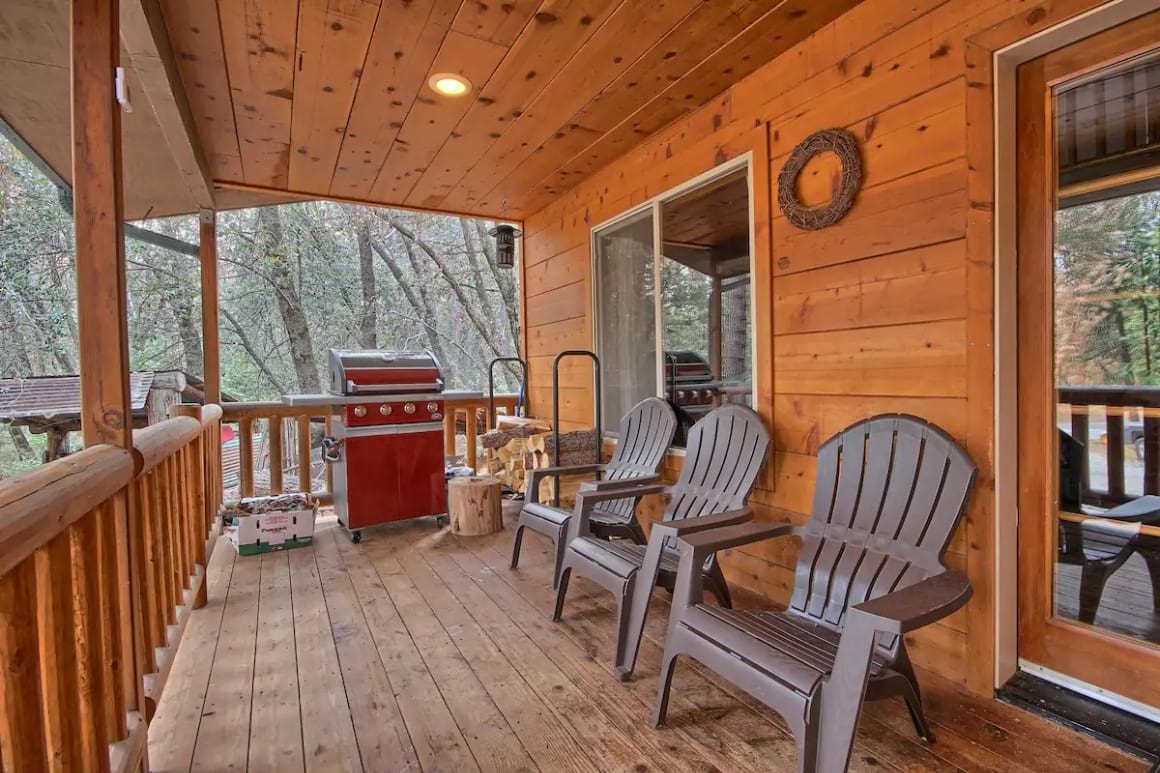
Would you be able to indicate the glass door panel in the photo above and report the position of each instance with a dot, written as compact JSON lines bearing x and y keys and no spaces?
{"x":1106,"y":283}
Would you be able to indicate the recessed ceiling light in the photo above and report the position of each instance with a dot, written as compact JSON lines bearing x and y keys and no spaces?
{"x":449,"y":84}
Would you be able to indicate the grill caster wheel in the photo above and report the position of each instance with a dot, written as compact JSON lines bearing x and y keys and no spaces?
{"x":356,"y":537}
{"x":441,"y":521}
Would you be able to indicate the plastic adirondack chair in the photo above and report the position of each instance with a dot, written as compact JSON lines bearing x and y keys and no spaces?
{"x":890,"y":492}
{"x":644,"y":436}
{"x":724,"y":454}
{"x":1100,"y":545}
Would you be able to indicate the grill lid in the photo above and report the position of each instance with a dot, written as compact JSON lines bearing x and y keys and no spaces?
{"x":382,"y":371}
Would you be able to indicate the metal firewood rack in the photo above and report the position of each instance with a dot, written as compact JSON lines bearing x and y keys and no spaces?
{"x":597,"y":400}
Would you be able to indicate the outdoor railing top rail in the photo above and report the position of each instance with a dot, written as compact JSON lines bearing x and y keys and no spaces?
{"x":1117,"y":395}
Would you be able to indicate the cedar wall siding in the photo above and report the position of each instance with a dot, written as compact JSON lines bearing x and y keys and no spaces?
{"x":867,"y":316}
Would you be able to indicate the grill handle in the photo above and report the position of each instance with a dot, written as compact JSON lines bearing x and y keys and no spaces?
{"x":331,"y":449}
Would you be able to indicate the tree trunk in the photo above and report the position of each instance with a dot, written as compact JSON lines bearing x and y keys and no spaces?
{"x":289,"y":301}
{"x":472,"y":253}
{"x":190,"y":331}
{"x":505,"y":280}
{"x":368,"y":318}
{"x":481,"y":326}
{"x":416,"y":296}
{"x":23,"y":448}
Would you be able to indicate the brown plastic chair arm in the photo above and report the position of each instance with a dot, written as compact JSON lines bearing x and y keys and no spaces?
{"x":844,"y":691}
{"x":533,"y":490}
{"x":696,"y":546}
{"x":703,"y":522}
{"x":646,"y":576}
{"x":586,"y":502}
{"x":732,"y":536}
{"x":914,"y":606}
{"x":635,"y":480}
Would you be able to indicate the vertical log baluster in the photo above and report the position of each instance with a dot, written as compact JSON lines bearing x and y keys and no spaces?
{"x":449,"y":430}
{"x":274,"y":428}
{"x":470,"y":427}
{"x":56,"y":636}
{"x":329,"y":467}
{"x":86,"y":588}
{"x":1079,"y":431}
{"x":110,"y":613}
{"x":304,"y":467}
{"x":161,"y":548}
{"x":1151,"y":452}
{"x":22,"y":734}
{"x":246,"y":456}
{"x":146,"y":576}
{"x":1115,"y":453}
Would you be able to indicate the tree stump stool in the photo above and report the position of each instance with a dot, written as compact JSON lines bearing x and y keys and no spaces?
{"x":475,"y":506}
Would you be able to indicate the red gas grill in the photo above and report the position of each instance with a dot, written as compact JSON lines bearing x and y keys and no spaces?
{"x":387,"y":442}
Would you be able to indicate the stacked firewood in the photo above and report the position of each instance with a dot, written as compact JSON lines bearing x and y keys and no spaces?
{"x":514,"y":452}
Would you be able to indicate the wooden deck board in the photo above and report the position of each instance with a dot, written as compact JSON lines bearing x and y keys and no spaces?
{"x":276,"y":723}
{"x":417,"y":650}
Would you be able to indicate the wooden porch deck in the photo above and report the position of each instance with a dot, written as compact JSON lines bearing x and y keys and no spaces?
{"x":417,"y":650}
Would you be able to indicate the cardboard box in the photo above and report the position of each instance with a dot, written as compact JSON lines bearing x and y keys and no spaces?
{"x":264,"y":532}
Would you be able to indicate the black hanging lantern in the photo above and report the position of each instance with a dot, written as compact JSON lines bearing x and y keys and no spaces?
{"x":505,"y":244}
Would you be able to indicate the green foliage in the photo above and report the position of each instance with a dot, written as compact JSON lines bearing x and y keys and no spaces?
{"x":1107,"y":292}
{"x":291,"y":286}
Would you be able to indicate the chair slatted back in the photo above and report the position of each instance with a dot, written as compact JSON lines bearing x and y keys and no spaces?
{"x":723,"y":457}
{"x":890,"y":492}
{"x":643,"y":438}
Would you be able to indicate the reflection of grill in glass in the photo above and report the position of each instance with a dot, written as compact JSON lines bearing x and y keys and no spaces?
{"x":736,"y":347}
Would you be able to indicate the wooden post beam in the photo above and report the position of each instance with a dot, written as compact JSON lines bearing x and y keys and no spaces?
{"x":98,"y":211}
{"x":210,"y":334}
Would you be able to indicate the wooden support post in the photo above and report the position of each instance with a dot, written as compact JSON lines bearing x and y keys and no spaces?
{"x":98,"y":207}
{"x":211,"y":342}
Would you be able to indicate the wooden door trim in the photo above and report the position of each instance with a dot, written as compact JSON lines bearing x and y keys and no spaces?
{"x":1091,"y":655}
{"x":991,"y":56}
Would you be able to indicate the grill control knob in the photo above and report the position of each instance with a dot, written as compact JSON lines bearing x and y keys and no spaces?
{"x":409,"y":408}
{"x":385,"y":409}
{"x":432,"y":407}
{"x":360,"y":411}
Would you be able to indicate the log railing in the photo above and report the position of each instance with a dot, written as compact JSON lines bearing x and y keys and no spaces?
{"x":1141,"y":405}
{"x":102,"y":553}
{"x":281,"y":460}
{"x":474,"y":411}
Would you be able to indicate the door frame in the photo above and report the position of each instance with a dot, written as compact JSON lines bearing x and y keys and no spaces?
{"x":992,"y":59}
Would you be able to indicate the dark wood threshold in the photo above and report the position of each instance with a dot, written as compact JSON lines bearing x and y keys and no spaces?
{"x":1109,"y":724}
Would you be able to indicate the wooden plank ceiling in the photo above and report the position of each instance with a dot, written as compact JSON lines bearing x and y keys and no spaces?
{"x":34,"y":102}
{"x":330,"y":97}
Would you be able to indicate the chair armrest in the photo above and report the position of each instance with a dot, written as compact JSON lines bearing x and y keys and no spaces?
{"x":696,"y":545}
{"x":703,"y":522}
{"x":587,"y":500}
{"x":532,"y":494}
{"x":896,"y":613}
{"x":732,"y":536}
{"x":636,"y":480}
{"x":917,"y":605}
{"x":609,"y":492}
